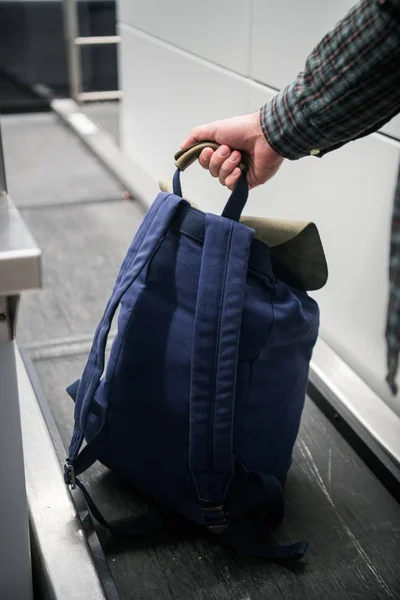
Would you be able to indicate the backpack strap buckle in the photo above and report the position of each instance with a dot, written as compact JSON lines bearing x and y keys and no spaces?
{"x":215,"y":518}
{"x":69,"y":474}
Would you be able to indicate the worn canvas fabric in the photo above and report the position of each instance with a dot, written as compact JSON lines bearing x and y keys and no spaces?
{"x":200,"y":403}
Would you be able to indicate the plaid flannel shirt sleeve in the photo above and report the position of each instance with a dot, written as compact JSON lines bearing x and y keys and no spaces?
{"x":350,"y":86}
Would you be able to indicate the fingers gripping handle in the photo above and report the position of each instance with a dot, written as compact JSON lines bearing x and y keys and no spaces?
{"x":237,"y":200}
{"x":187,"y":156}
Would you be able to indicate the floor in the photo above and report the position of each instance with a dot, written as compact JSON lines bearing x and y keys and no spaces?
{"x":75,"y":211}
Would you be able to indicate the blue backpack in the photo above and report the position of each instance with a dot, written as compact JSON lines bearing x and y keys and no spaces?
{"x":200,"y":403}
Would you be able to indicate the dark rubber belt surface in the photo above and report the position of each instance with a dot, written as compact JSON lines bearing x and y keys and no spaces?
{"x":333,"y":501}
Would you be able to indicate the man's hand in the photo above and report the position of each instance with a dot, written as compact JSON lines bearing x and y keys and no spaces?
{"x":238,"y":133}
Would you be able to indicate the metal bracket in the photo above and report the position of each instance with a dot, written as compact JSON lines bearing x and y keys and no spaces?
{"x":3,"y":183}
{"x":215,"y":518}
{"x":69,"y":475}
{"x":8,"y":317}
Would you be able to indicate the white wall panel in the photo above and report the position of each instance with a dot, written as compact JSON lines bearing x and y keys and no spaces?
{"x":218,"y":31}
{"x":284,"y":33}
{"x":166,"y":93}
{"x":349,"y":194}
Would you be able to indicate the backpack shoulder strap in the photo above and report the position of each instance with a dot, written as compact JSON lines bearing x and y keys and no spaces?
{"x":142,"y":248}
{"x":216,"y":336}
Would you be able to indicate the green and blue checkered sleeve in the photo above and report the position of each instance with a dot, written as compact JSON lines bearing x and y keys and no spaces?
{"x":350,"y":86}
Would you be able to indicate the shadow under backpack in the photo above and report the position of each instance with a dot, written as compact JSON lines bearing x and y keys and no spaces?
{"x":200,"y":403}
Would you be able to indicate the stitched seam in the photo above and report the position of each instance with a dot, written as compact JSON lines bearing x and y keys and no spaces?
{"x":128,"y":325}
{"x":269,"y":330}
{"x":123,"y":337}
{"x":95,"y":355}
{"x":222,"y":297}
{"x":252,"y":363}
{"x":247,"y":399}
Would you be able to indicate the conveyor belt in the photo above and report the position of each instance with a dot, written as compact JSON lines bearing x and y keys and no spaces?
{"x":46,"y":166}
{"x":333,"y":499}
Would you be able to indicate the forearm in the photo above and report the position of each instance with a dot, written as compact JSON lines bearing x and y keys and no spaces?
{"x":350,"y":86}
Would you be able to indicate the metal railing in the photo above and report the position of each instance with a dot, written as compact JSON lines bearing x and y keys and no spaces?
{"x":75,"y":42}
{"x":3,"y":184}
{"x":19,"y":270}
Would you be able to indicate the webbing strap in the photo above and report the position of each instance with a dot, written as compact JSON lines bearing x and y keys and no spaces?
{"x":145,"y":524}
{"x":252,"y":536}
{"x":216,"y":337}
{"x":142,"y":248}
{"x":240,"y":538}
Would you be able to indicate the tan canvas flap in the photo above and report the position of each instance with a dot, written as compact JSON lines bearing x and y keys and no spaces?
{"x":297,"y":244}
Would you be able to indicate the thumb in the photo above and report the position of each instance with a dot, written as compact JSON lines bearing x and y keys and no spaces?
{"x":200,"y":134}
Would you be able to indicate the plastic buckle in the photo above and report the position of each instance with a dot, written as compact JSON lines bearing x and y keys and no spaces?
{"x":215,"y":518}
{"x":69,"y":475}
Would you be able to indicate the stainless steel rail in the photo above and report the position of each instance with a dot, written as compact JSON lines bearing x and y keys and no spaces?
{"x":139,"y":183}
{"x":3,"y":185}
{"x":19,"y":254}
{"x":62,"y":553}
{"x":97,"y":40}
{"x":366,"y":413}
{"x":19,"y":271}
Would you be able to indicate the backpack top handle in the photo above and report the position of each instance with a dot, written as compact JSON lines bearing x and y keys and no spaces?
{"x":187,"y":156}
{"x":237,"y":200}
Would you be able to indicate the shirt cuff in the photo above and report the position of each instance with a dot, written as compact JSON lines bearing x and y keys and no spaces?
{"x":286,"y":129}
